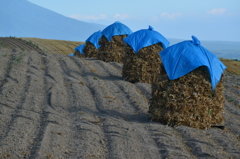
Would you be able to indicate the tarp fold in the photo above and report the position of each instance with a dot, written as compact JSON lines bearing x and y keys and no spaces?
{"x":184,"y":57}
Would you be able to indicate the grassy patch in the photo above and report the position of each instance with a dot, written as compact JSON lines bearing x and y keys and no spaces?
{"x":29,"y":43}
{"x":32,"y":44}
{"x":96,"y":78}
{"x":2,"y":44}
{"x":61,"y":47}
{"x":233,"y":66}
{"x":18,"y":59}
{"x":229,"y":99}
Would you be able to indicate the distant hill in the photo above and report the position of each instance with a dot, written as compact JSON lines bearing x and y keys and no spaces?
{"x":222,"y":49}
{"x":21,"y":18}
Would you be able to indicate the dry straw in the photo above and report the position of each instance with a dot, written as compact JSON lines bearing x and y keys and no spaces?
{"x":144,"y":66}
{"x":90,"y":50}
{"x":188,"y":100}
{"x":111,"y":51}
{"x":78,"y":54}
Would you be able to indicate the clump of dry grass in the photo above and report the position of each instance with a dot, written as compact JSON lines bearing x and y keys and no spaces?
{"x":90,"y":50}
{"x":144,"y":66}
{"x":111,"y":51}
{"x":78,"y":54}
{"x":188,"y":100}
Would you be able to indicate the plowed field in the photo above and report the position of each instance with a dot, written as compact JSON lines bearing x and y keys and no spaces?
{"x":61,"y":47}
{"x":56,"y":106}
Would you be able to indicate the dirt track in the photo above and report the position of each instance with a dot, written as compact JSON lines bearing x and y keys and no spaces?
{"x":55,"y":106}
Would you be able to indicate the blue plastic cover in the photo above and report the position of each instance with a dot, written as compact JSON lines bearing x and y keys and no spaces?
{"x":116,"y":28}
{"x":80,"y":48}
{"x":144,"y":38}
{"x":71,"y":54}
{"x":184,"y":57}
{"x":94,"y":38}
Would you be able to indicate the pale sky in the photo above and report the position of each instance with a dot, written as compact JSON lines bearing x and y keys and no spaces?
{"x":206,"y":19}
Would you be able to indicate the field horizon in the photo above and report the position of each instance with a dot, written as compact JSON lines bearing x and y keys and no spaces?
{"x":65,"y":47}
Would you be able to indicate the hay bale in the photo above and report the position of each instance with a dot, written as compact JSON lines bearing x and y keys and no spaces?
{"x":144,"y":66}
{"x":188,"y":100}
{"x":111,"y":51}
{"x":90,"y":50}
{"x":78,"y":54}
{"x":129,"y":70}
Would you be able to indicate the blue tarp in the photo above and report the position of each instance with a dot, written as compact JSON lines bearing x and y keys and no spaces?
{"x":71,"y":54}
{"x":144,"y":38}
{"x":116,"y":28}
{"x":80,"y":48}
{"x":94,"y":38}
{"x":184,"y":57}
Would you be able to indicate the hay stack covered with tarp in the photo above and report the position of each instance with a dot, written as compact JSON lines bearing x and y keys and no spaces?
{"x":189,"y":89}
{"x":78,"y":51}
{"x":142,"y":60}
{"x":90,"y":49}
{"x":111,"y":43}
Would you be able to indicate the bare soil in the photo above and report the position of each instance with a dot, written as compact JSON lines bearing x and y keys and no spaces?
{"x":56,"y":106}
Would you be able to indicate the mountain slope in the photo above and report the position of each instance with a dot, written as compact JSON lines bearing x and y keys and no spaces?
{"x":21,"y":18}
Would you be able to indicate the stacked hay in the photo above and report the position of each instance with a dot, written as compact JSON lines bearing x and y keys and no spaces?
{"x":129,"y":70}
{"x":91,"y":45}
{"x":188,"y":100}
{"x":78,"y":51}
{"x":90,"y":50}
{"x":111,"y":51}
{"x":144,"y":66}
{"x":78,"y":54}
